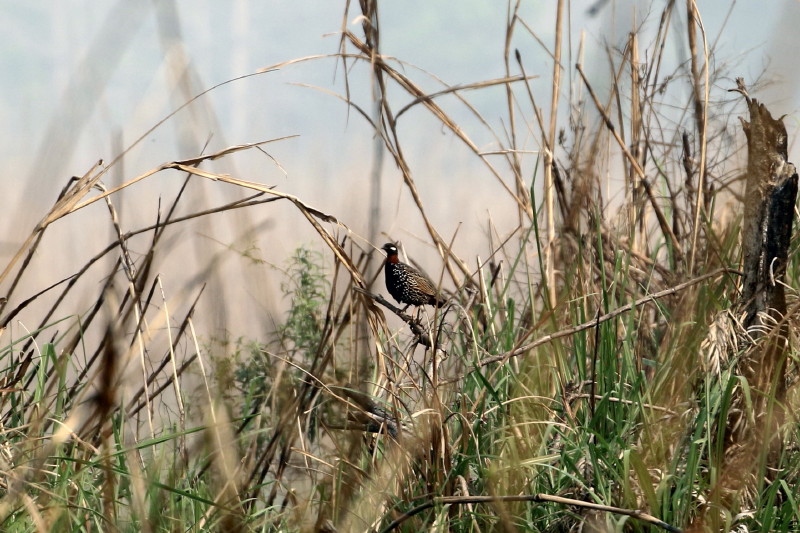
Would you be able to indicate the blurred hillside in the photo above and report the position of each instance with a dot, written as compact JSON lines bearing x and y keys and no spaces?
{"x":83,"y":80}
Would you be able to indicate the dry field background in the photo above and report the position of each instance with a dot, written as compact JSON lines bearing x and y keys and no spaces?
{"x":191,"y":341}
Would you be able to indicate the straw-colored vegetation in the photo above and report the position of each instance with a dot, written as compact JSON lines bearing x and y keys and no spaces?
{"x":583,"y":376}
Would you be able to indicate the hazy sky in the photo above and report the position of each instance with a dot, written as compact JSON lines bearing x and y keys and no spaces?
{"x":74,"y":73}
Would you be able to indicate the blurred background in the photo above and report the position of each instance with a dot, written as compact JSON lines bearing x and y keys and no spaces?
{"x":84,"y":81}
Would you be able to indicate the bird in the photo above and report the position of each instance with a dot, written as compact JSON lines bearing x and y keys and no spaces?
{"x":406,"y":284}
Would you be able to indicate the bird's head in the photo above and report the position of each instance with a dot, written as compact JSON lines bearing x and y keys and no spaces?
{"x":391,"y":252}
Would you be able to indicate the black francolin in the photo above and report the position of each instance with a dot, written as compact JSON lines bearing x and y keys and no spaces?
{"x":406,"y":284}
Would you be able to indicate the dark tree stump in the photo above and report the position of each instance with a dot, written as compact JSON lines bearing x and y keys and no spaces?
{"x":770,"y":195}
{"x":751,"y":438}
